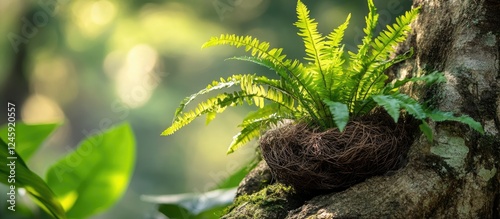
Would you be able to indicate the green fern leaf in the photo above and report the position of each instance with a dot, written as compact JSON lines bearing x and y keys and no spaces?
{"x":333,"y":64}
{"x":220,"y":102}
{"x":411,"y":106}
{"x":440,"y":116}
{"x":340,"y":113}
{"x":313,"y":42}
{"x":253,"y":124}
{"x":358,"y":61}
{"x":432,"y":78}
{"x":368,"y":66}
{"x":297,"y":87}
{"x":384,"y":44}
{"x":335,"y":37}
{"x":271,"y":57}
{"x":214,"y":104}
{"x":215,"y":85}
{"x":382,"y":47}
{"x":426,"y":129}
{"x":390,"y":104}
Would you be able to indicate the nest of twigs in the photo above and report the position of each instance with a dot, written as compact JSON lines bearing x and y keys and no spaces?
{"x":309,"y":159}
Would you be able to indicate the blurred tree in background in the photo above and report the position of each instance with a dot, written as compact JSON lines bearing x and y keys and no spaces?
{"x":90,"y":63}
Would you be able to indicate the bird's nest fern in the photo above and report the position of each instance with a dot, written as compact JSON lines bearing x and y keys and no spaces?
{"x":328,"y":90}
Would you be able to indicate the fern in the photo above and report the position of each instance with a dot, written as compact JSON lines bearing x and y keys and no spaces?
{"x":326,"y":91}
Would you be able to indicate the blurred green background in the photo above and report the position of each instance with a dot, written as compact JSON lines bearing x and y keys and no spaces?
{"x":87,"y":63}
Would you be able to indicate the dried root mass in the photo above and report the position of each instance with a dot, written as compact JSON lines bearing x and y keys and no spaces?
{"x":310,"y":159}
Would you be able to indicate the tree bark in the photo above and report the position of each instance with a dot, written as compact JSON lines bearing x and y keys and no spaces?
{"x":457,"y":174}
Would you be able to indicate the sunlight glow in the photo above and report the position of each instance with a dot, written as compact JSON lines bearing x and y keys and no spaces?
{"x":40,"y":109}
{"x":91,"y":17}
{"x":136,"y":79}
{"x":102,"y":12}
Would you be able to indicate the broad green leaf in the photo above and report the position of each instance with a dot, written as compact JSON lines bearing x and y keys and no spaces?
{"x":28,"y":137}
{"x":95,"y":175}
{"x":22,"y":176}
{"x":432,"y":78}
{"x":470,"y":122}
{"x":411,"y":105}
{"x":190,"y":205}
{"x":426,"y":129}
{"x":340,"y":113}
{"x":440,"y":116}
{"x":390,"y":104}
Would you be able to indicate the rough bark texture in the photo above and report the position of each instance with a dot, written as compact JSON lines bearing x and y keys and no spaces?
{"x":456,"y":175}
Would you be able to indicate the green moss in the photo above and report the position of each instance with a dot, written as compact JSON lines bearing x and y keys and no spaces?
{"x":274,"y":201}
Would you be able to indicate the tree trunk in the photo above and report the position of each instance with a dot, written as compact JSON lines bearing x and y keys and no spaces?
{"x":455,"y":175}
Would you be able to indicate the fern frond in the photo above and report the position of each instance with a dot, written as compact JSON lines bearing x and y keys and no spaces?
{"x":382,"y":47}
{"x":295,"y":68}
{"x":215,"y":104}
{"x":440,"y":116}
{"x":432,"y":78}
{"x":254,"y":123}
{"x":272,"y":58}
{"x":215,"y":85}
{"x":313,"y":42}
{"x":260,"y":93}
{"x":340,"y":113}
{"x":369,"y":68}
{"x":335,"y":38}
{"x":393,"y":103}
{"x":299,"y":87}
{"x":358,"y":61}
{"x":390,"y":104}
{"x":250,"y":93}
{"x":411,"y":106}
{"x":333,"y":64}
{"x":385,"y":43}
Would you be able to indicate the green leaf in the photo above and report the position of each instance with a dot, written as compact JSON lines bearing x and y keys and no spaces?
{"x":95,"y":175}
{"x":411,"y":106}
{"x":440,"y":116}
{"x":190,"y":205}
{"x":390,"y":104}
{"x":432,"y":78}
{"x":426,"y":129}
{"x":313,"y":42}
{"x":251,"y":129}
{"x":28,"y":137}
{"x":24,"y":177}
{"x":340,"y":113}
{"x":470,"y":122}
